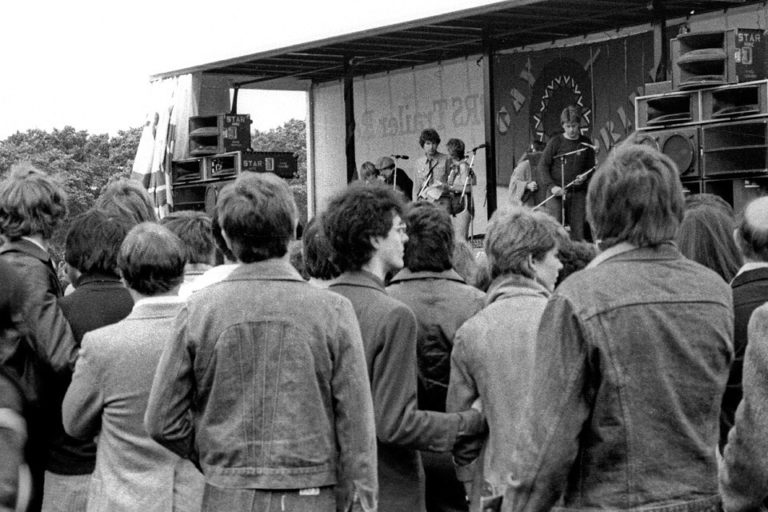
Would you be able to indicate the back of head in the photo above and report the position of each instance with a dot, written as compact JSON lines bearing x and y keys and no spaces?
{"x":127,"y":199}
{"x":318,"y":254}
{"x":355,"y":216}
{"x":195,"y":230}
{"x":753,"y":230}
{"x":31,"y":203}
{"x":368,"y":171}
{"x":636,"y":197}
{"x":574,"y":255}
{"x":258,"y":215}
{"x":93,"y":242}
{"x":514,"y":235}
{"x":455,"y":148}
{"x":430,"y":238}
{"x":706,"y":236}
{"x":151,"y":259}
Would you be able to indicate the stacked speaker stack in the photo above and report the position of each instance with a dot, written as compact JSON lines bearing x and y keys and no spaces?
{"x":219,"y":149}
{"x":713,"y":122}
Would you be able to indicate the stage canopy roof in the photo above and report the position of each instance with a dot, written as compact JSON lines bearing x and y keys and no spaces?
{"x":509,"y":24}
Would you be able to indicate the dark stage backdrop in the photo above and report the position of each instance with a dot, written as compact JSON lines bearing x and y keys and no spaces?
{"x":532,"y":88}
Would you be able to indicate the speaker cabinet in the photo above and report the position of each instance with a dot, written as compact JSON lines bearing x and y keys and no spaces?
{"x":198,"y":196}
{"x":187,"y":170}
{"x":738,"y":192}
{"x":735,"y":101}
{"x":680,"y":144}
{"x":739,"y":147}
{"x":667,"y":109}
{"x":701,"y":59}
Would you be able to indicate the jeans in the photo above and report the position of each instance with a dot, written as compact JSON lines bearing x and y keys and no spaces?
{"x":65,"y":493}
{"x":260,"y":500}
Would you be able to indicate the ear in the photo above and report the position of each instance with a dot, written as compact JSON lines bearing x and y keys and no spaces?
{"x":375,"y":242}
{"x":531,"y":264}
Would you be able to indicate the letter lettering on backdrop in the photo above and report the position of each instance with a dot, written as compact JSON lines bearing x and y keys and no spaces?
{"x":368,"y":124}
{"x":458,"y":119}
{"x":439,"y":107}
{"x":471,"y":103}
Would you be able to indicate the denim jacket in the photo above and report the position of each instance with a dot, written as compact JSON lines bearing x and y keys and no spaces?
{"x":264,"y":383}
{"x":632,"y":358}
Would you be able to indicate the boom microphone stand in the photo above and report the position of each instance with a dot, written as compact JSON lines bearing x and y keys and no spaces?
{"x":563,"y":186}
{"x":394,"y":171}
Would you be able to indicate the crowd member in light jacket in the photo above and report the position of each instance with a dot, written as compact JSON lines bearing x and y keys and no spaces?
{"x":111,"y":383}
{"x":364,"y":227}
{"x":493,"y":351}
{"x":441,"y":301}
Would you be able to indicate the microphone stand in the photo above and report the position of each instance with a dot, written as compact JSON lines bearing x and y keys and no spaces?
{"x":581,"y":176}
{"x":394,"y":172}
{"x":563,"y":186}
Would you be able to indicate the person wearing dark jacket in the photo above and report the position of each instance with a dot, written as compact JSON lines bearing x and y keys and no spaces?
{"x":441,"y":301}
{"x":32,"y":206}
{"x":364,"y":227}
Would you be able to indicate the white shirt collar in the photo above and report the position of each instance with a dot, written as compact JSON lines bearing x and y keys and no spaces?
{"x":751,"y":265}
{"x":612,"y":251}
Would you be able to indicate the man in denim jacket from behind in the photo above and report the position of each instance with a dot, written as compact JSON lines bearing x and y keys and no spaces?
{"x":632,"y":358}
{"x":264,"y":382}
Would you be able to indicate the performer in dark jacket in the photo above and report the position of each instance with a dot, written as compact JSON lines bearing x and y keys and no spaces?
{"x":395,"y":176}
{"x":566,"y":157}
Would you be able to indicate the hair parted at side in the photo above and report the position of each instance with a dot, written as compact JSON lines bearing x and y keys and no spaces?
{"x":31,"y":203}
{"x":753,"y":230}
{"x":355,"y":216}
{"x":429,"y":135}
{"x":318,"y":253}
{"x":430,"y":238}
{"x":571,"y":114}
{"x":196,"y":233}
{"x":93,"y":242}
{"x":455,"y":148}
{"x":151,"y":259}
{"x":516,"y":232}
{"x":127,"y":198}
{"x":258,"y":214}
{"x":636,"y":197}
{"x":706,"y":236}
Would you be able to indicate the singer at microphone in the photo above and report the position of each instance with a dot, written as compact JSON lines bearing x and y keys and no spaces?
{"x":578,"y":156}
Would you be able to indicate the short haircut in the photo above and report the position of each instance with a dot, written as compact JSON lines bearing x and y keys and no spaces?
{"x":455,"y":148}
{"x":752,"y":233}
{"x":318,"y":253}
{"x":368,"y":171}
{"x":706,"y":236}
{"x":635,"y":196}
{"x":430,"y":238}
{"x":195,"y":231}
{"x":385,"y":163}
{"x":429,"y":135}
{"x":31,"y":203}
{"x":571,"y":114}
{"x":258,"y":215}
{"x":128,"y":199}
{"x":355,"y":216}
{"x":151,"y":259}
{"x":93,"y":242}
{"x":218,"y":238}
{"x":516,"y":232}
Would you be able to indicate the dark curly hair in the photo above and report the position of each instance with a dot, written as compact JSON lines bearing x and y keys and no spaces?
{"x":31,"y":202}
{"x":318,"y":253}
{"x":152,"y":259}
{"x":355,"y":216}
{"x":430,"y":238}
{"x":429,"y":135}
{"x":93,"y":242}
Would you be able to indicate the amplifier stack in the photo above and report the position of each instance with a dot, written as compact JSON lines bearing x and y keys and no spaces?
{"x":714,"y":123}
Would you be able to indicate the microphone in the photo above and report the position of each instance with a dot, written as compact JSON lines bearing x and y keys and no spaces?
{"x":481,"y":146}
{"x":401,"y":157}
{"x":594,"y":148}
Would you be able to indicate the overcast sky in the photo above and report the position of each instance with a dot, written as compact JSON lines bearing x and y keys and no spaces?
{"x":87,"y":63}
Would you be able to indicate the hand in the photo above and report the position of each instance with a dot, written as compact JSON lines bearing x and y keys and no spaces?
{"x":532,"y":186}
{"x":578,"y":181}
{"x":556,"y":191}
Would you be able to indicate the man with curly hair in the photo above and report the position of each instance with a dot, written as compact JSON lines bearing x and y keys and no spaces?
{"x":32,"y":207}
{"x":367,"y":233}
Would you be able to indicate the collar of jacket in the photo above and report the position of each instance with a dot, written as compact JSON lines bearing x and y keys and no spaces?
{"x":514,"y":285}
{"x":163,"y":306}
{"x":626,"y":251}
{"x":407,"y":275}
{"x":360,"y":278}
{"x":273,"y":269}
{"x":750,"y":276}
{"x":95,"y":278}
{"x":27,"y":247}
